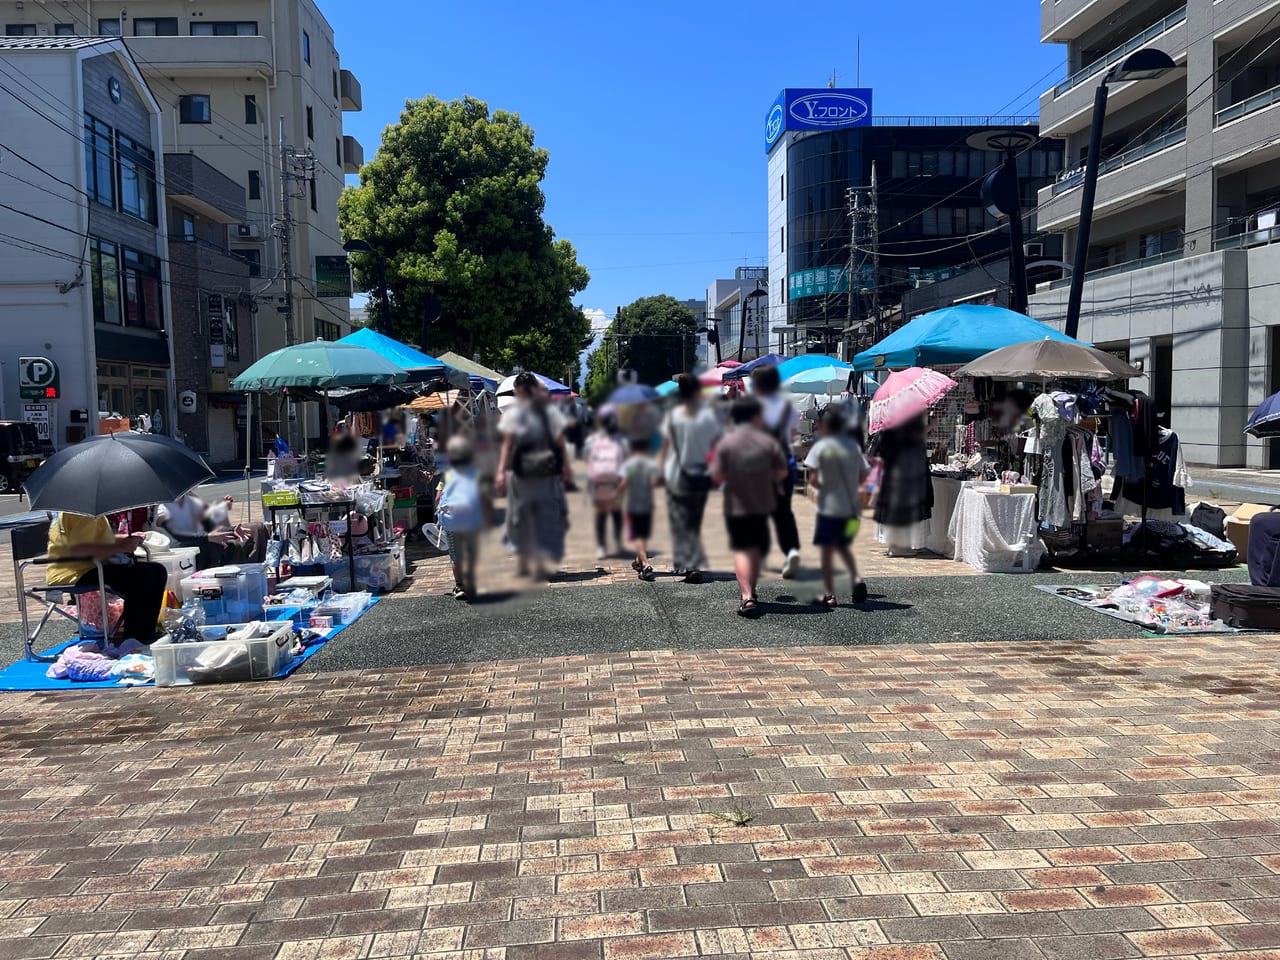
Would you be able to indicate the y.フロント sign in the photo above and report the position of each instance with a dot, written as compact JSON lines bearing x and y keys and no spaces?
{"x":822,"y":108}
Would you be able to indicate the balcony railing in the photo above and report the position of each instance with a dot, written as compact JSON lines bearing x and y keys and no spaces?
{"x":1120,"y":52}
{"x":1250,"y":238}
{"x":1074,"y":178}
{"x":1127,"y":267}
{"x":1017,"y":120}
{"x":1255,"y":103}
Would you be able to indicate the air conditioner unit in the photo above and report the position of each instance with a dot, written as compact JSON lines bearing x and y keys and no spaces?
{"x":1034,"y":249}
{"x":248,"y":231}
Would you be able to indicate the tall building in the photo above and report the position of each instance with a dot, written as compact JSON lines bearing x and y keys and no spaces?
{"x":85,"y":278}
{"x":1183,"y":264}
{"x":824,"y":147}
{"x":225,"y":74}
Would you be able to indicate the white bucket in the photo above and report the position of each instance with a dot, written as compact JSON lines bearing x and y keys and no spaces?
{"x":180,"y":562}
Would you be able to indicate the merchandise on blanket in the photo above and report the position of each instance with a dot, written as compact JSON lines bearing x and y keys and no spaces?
{"x":1147,"y":587}
{"x":1181,"y":545}
{"x":342,"y":608}
{"x":230,"y":594}
{"x":252,"y":651}
{"x":1247,"y":606}
{"x":1161,"y":605}
{"x":88,"y":662}
{"x":1209,"y":517}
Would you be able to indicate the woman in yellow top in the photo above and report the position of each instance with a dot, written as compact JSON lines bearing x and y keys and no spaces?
{"x":87,"y":539}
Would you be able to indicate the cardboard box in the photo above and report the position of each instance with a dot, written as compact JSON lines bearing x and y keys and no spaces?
{"x":1238,"y":525}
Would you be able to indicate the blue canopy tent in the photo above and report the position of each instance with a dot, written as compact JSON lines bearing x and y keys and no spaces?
{"x":956,"y":334}
{"x":768,"y":360}
{"x":807,"y":361}
{"x":420,"y":366}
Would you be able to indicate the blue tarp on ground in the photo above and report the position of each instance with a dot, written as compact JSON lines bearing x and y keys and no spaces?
{"x":25,"y":676}
{"x":954,"y":335}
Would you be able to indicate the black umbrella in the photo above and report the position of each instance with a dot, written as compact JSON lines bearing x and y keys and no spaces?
{"x":114,"y":473}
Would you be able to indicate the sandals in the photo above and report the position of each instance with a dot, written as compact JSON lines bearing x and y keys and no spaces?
{"x":637,"y":566}
{"x":646,"y":574}
{"x":859,"y":593}
{"x":749,"y":609}
{"x":828,"y":600}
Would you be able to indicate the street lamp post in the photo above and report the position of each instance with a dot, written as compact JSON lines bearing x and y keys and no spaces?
{"x":363,"y":246}
{"x":711,"y":327}
{"x":1146,"y":64}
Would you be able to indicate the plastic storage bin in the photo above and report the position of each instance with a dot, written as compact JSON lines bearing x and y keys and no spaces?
{"x":343,"y":608}
{"x":180,"y":562}
{"x":219,"y":660}
{"x":229,"y":594}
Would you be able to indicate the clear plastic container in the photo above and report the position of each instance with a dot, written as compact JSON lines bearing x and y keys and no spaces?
{"x":222,"y":660}
{"x":343,"y":607}
{"x":230,"y":594}
{"x":180,"y":562}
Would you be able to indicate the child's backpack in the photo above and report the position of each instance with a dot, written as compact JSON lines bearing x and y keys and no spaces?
{"x":604,"y":466}
{"x":460,"y":509}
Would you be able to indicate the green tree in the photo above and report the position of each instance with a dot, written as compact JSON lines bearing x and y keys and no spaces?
{"x":453,"y":201}
{"x":654,"y":336}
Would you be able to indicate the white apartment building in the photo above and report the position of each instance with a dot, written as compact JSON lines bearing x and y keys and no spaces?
{"x":1184,"y":267}
{"x":84,"y":278}
{"x":224,"y":72}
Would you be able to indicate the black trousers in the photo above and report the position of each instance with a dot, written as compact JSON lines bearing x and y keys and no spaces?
{"x":784,"y":521}
{"x":142,"y":586}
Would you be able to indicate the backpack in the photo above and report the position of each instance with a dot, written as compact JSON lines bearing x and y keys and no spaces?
{"x":460,"y":509}
{"x":604,"y":464}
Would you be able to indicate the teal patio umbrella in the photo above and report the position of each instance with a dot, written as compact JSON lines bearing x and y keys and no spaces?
{"x":319,"y":365}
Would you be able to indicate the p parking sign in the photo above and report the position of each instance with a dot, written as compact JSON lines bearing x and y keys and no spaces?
{"x":38,"y":379}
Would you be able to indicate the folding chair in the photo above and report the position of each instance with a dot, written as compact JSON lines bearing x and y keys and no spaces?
{"x":30,"y":549}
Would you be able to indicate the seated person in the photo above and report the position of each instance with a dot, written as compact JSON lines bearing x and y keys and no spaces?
{"x":141,"y":584}
{"x":344,"y":459}
{"x":191,"y":522}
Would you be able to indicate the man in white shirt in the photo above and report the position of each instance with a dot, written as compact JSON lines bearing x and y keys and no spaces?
{"x":781,"y":420}
{"x":191,"y":522}
{"x":689,"y":434}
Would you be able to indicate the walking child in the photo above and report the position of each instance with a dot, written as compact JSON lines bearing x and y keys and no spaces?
{"x":639,"y":476}
{"x":838,"y":469}
{"x":605,"y":455}
{"x":460,"y":512}
{"x":750,"y":463}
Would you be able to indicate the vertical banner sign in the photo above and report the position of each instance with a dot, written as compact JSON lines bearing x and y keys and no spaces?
{"x":217,"y":333}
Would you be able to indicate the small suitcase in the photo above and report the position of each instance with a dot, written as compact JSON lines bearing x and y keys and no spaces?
{"x":1264,"y":549}
{"x":1242,"y":605}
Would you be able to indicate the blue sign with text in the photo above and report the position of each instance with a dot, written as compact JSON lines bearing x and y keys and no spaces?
{"x":822,"y":108}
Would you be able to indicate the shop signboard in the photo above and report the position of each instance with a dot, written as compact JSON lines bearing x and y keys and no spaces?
{"x":41,"y":415}
{"x":818,"y":282}
{"x":217,"y":333}
{"x":333,"y":277}
{"x":821,"y":108}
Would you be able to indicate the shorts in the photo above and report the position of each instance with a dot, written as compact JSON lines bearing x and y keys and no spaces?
{"x":640,"y":525}
{"x":748,"y":533}
{"x":462,"y":546}
{"x":835,"y":531}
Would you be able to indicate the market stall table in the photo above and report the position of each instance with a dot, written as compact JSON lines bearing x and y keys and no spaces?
{"x":946,"y":492}
{"x":302,"y":509}
{"x":996,"y":532}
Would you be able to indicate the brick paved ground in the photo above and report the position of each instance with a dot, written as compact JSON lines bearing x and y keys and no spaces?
{"x":1059,"y":801}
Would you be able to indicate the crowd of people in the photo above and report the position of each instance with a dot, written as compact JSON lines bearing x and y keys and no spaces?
{"x":745,"y":448}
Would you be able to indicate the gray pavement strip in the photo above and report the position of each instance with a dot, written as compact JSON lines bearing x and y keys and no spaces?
{"x":588,"y":619}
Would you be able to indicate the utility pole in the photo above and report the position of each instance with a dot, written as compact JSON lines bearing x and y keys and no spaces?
{"x":284,"y":229}
{"x":874,"y":217}
{"x":854,"y":198}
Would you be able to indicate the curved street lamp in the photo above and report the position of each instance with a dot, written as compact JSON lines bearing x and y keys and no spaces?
{"x":1146,"y":64}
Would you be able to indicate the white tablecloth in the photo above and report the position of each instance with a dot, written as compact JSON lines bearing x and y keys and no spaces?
{"x":946,"y":491}
{"x":996,"y":532}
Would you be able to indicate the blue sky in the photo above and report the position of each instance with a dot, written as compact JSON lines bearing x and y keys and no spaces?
{"x":654,"y":112}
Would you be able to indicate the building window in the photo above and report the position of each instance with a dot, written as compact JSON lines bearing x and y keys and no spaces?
{"x":186,"y":224}
{"x":306,"y":46}
{"x":155,"y":27}
{"x":99,"y":161}
{"x":898,"y":165}
{"x":325,"y":330}
{"x":255,"y":185}
{"x":250,"y":108}
{"x":104,"y":268}
{"x":64,"y":29}
{"x":946,"y":163}
{"x":336,"y":93}
{"x":137,"y":178}
{"x":141,"y":286}
{"x":782,"y":238}
{"x":312,"y":181}
{"x":109,"y":28}
{"x":338,"y":144}
{"x":311,"y":124}
{"x":253,"y":258}
{"x":782,"y":188}
{"x":195,"y":108}
{"x":19,"y":29}
{"x":225,"y":28}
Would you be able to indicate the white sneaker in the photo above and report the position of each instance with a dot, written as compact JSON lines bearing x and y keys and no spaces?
{"x":601,"y":553}
{"x":791,"y":566}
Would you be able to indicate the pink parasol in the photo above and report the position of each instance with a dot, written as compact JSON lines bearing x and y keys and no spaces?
{"x":715,"y":376}
{"x":906,"y":394}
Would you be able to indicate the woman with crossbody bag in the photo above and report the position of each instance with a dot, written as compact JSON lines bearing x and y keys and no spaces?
{"x":533,"y":468}
{"x":689,"y":434}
